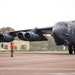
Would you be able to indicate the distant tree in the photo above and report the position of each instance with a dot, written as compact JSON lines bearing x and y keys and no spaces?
{"x":6,"y":29}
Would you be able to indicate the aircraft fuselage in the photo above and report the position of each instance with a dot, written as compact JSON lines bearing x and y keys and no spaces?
{"x":64,"y":33}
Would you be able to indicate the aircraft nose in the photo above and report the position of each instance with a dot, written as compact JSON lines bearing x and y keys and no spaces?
{"x":55,"y":32}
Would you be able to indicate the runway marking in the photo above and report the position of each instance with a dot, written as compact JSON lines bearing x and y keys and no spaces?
{"x":37,"y":68}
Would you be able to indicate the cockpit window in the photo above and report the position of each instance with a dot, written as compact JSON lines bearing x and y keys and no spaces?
{"x":57,"y":25}
{"x":60,"y":24}
{"x":64,"y":24}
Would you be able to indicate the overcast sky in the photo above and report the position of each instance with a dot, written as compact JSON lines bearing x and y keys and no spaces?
{"x":26,"y":14}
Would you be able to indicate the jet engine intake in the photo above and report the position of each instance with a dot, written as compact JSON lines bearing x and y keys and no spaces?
{"x":31,"y":36}
{"x":21,"y":35}
{"x":6,"y":38}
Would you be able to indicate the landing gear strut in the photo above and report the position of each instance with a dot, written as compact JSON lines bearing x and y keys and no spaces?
{"x":71,"y":48}
{"x":74,"y":49}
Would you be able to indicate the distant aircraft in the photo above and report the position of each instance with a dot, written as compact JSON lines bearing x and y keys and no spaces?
{"x":63,"y":32}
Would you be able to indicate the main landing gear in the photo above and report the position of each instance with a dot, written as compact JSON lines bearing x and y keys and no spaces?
{"x":71,"y":48}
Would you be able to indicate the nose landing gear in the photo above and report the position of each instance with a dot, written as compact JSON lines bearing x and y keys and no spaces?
{"x":71,"y":48}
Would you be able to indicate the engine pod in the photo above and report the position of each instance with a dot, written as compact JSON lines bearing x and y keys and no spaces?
{"x":31,"y":36}
{"x":6,"y":38}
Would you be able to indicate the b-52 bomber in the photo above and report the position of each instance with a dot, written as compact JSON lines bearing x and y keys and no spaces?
{"x":63,"y":33}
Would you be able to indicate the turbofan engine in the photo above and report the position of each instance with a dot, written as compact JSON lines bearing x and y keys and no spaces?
{"x":21,"y":35}
{"x":6,"y":38}
{"x":28,"y":36}
{"x":31,"y":36}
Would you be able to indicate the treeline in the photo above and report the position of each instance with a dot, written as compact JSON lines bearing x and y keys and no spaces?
{"x":6,"y":29}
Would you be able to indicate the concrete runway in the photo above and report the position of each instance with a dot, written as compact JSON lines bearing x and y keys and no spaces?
{"x":37,"y":64}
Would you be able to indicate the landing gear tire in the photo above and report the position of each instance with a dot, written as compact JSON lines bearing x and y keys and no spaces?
{"x":74,"y":49}
{"x":70,"y":49}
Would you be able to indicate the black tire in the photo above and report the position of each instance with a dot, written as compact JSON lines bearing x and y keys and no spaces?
{"x":70,"y":49}
{"x":74,"y":49}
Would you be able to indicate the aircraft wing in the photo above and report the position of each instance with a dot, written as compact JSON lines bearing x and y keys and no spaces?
{"x":35,"y":34}
{"x":47,"y":30}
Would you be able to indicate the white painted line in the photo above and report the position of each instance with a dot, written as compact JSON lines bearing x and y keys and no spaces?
{"x":37,"y":68}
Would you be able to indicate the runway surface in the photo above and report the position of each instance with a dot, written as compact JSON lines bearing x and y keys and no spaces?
{"x":37,"y":64}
